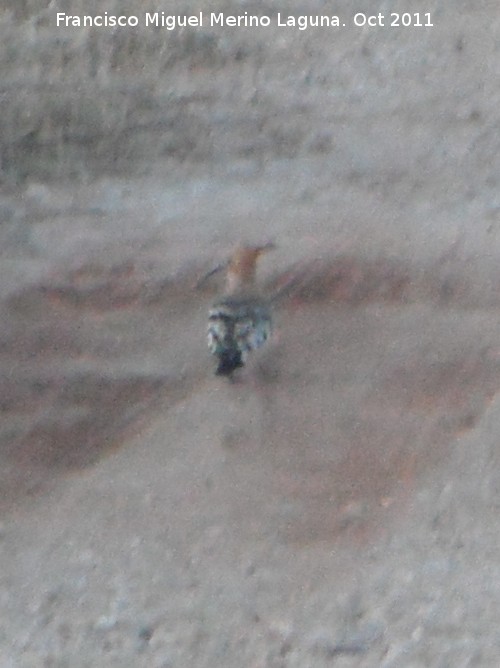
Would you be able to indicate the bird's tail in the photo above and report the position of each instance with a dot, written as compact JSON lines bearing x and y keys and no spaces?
{"x":230,"y":359}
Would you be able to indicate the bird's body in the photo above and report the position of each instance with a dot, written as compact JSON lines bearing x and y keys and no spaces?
{"x":240,"y":321}
{"x":236,"y":327}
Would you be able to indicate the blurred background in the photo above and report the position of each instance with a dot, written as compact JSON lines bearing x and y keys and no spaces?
{"x":337,"y":505}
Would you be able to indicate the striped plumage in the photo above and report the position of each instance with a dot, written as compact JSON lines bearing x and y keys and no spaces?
{"x":240,"y":321}
{"x":235,"y":327}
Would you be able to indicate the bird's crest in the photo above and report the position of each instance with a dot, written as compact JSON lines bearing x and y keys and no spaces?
{"x":240,"y":267}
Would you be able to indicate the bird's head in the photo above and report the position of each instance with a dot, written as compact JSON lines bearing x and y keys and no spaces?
{"x":242,"y":266}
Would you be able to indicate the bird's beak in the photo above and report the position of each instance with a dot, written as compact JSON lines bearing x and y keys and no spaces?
{"x":210,"y":273}
{"x":266,"y":247}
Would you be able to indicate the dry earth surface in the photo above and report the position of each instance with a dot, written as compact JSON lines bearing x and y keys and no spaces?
{"x":338,"y":505}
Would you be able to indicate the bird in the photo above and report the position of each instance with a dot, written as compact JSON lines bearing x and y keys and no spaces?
{"x":240,"y":320}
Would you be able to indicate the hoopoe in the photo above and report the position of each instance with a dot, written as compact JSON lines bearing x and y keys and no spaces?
{"x":240,"y":321}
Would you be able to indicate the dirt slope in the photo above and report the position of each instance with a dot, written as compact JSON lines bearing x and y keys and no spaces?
{"x":337,"y":506}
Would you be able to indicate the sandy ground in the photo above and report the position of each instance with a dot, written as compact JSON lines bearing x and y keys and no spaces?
{"x":338,"y":505}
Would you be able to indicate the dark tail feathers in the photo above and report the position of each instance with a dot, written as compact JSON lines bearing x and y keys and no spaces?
{"x":229,"y":361}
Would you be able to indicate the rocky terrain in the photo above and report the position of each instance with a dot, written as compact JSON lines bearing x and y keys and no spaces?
{"x":337,"y":505}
